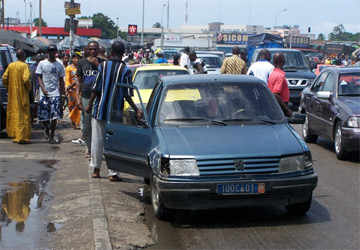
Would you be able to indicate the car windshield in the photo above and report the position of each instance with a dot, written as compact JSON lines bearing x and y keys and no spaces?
{"x":349,"y":84}
{"x":146,"y":79}
{"x":218,"y":104}
{"x":294,"y":61}
{"x":211,"y":62}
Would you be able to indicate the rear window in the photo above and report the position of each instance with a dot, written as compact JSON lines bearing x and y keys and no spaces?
{"x":211,"y":62}
{"x":146,"y":79}
{"x":349,"y":84}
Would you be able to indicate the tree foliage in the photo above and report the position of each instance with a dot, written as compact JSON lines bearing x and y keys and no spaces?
{"x":340,"y":34}
{"x":107,"y":26}
{"x":156,"y":25}
{"x":36,"y":22}
{"x":321,"y":37}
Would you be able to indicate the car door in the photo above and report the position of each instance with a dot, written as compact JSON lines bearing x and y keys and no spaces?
{"x":325,"y":111}
{"x":312,"y":103}
{"x":127,"y":139}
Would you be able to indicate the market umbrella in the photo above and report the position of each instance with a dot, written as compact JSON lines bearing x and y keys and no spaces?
{"x":79,"y":43}
{"x":126,"y":43}
{"x":18,"y":41}
{"x":42,"y":43}
{"x":101,"y":42}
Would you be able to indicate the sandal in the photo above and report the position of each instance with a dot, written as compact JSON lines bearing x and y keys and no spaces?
{"x":115,"y":178}
{"x":96,"y":173}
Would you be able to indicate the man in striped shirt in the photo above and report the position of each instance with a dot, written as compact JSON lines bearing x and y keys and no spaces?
{"x":110,"y":72}
{"x":234,"y":64}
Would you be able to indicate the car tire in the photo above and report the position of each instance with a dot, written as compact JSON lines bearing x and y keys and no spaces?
{"x":341,"y":152}
{"x":299,"y":208}
{"x":308,"y":136}
{"x":146,"y":181}
{"x":3,"y":118}
{"x":161,"y":212}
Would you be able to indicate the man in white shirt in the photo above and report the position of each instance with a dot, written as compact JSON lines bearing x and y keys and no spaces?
{"x":184,"y":59}
{"x":262,"y":68}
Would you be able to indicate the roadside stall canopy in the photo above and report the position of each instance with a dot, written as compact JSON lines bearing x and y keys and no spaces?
{"x":18,"y":41}
{"x":264,"y":40}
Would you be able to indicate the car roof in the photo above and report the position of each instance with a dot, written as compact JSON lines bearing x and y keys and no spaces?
{"x":196,"y":78}
{"x":160,"y":67}
{"x":206,"y":55}
{"x":279,"y":50}
{"x":341,"y":70}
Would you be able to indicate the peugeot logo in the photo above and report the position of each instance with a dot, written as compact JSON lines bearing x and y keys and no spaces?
{"x":239,"y":164}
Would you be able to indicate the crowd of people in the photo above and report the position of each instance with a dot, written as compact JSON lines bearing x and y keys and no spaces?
{"x":83,"y":83}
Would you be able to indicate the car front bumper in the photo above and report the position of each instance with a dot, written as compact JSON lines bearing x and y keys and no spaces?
{"x":351,"y":137}
{"x":203,"y":195}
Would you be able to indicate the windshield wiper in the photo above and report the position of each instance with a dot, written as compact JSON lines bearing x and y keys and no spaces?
{"x":216,"y":122}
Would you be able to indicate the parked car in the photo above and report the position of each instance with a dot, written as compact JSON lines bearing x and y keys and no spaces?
{"x":332,"y":108}
{"x":212,"y":62}
{"x":213,"y":52}
{"x":7,"y":56}
{"x":320,"y":67}
{"x":145,"y":77}
{"x":208,"y":142}
{"x":297,"y":71}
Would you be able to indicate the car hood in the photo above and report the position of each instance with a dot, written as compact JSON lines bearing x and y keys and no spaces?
{"x":299,"y":73}
{"x":222,"y":141}
{"x":352,"y":103}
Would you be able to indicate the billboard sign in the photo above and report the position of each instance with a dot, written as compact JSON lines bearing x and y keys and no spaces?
{"x":231,"y":39}
{"x":132,"y":30}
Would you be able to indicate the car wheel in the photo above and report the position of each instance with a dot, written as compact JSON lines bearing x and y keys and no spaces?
{"x":308,"y":136}
{"x":160,"y":211}
{"x":340,"y":150}
{"x":146,"y":181}
{"x":299,"y":208}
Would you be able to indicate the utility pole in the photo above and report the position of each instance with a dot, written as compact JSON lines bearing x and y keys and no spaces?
{"x":40,"y":18}
{"x":30,"y":19}
{"x":142,"y":26}
{"x":3,"y":13}
{"x":168,"y":14}
{"x":71,"y":35}
{"x":186,"y":12}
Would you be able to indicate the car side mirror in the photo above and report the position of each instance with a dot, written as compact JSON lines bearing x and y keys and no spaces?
{"x":296,"y":118}
{"x":313,"y":66}
{"x":323,"y":94}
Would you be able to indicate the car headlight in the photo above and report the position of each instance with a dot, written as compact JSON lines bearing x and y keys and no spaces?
{"x":295,"y":163}
{"x":354,"y":122}
{"x":184,"y":167}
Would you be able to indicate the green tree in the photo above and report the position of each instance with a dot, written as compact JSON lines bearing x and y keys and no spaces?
{"x":36,"y":22}
{"x":156,"y":25}
{"x":107,"y":26}
{"x":321,"y":37}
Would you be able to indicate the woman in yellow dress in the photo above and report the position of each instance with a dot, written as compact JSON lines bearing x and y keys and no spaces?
{"x":70,"y":84}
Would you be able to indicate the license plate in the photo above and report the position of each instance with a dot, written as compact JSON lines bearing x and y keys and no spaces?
{"x":241,"y":188}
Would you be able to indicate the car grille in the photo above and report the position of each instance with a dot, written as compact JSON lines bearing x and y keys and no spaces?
{"x":298,"y":82}
{"x":238,"y":166}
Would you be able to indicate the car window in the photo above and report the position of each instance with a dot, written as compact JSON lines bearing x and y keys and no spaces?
{"x":329,"y":83}
{"x":146,"y":79}
{"x":349,"y":84}
{"x":319,"y":82}
{"x":121,"y":111}
{"x":207,"y":101}
{"x":212,"y":62}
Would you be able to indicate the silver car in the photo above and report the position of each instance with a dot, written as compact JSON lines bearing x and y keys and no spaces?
{"x":212,"y":62}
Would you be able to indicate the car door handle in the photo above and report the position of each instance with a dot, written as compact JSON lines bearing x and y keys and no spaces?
{"x":110,"y":131}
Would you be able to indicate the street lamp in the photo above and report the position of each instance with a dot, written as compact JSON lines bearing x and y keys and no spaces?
{"x":278,"y":14}
{"x":117,"y":28}
{"x":162,"y":27}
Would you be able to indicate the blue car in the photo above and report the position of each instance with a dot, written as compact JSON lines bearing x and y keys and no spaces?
{"x":208,"y":142}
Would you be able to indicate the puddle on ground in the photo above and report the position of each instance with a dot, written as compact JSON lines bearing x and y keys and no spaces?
{"x":23,"y":210}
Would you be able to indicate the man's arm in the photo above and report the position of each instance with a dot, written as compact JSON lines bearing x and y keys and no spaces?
{"x":223,"y":67}
{"x":133,"y":105}
{"x":287,"y":111}
{"x":78,"y":91}
{"x":91,"y":101}
{"x":42,"y":86}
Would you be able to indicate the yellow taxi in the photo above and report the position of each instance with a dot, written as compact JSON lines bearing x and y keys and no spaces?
{"x":145,"y":78}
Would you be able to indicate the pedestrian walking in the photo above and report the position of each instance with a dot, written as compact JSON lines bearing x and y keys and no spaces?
{"x":262,"y":68}
{"x":278,"y":85}
{"x":197,"y":65}
{"x":234,"y":64}
{"x":146,"y":59}
{"x":86,"y":74}
{"x":70,"y":84}
{"x":52,"y":92}
{"x":161,"y":58}
{"x":98,"y":103}
{"x":184,"y":58}
{"x":16,"y":80}
{"x":35,"y":87}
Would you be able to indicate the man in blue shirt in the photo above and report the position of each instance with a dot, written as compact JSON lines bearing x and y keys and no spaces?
{"x":110,"y":72}
{"x":161,"y":58}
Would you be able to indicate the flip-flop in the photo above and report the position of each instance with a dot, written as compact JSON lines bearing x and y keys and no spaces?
{"x":115,"y":178}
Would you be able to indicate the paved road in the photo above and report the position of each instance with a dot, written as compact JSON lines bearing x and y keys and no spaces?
{"x":332,"y":222}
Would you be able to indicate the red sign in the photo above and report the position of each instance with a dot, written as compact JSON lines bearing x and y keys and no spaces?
{"x":132,"y":30}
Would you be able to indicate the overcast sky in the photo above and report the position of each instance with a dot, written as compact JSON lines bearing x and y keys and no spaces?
{"x":320,"y":15}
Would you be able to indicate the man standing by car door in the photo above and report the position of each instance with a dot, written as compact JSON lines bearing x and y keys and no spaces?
{"x":278,"y":85}
{"x":101,"y":93}
{"x":86,"y":75}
